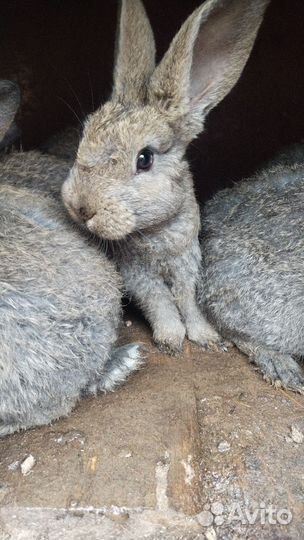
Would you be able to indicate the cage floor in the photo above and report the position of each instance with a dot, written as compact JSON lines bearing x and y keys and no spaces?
{"x":193,"y":447}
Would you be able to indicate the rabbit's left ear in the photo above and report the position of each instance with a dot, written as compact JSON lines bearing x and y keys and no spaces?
{"x":205,"y":60}
{"x":135,"y":53}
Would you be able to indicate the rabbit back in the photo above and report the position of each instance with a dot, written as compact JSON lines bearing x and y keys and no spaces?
{"x":253,"y":259}
{"x":39,"y":172}
{"x":59,"y":310}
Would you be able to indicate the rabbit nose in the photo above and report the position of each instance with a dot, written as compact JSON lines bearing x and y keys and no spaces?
{"x":85,"y":214}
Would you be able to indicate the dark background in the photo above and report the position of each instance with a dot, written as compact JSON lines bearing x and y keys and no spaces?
{"x":61,"y":54}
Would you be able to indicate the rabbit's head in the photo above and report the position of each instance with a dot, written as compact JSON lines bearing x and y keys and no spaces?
{"x":130,"y":172}
{"x":9,"y":103}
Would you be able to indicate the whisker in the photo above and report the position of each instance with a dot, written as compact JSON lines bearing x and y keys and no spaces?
{"x":75,"y":95}
{"x":73,"y":111}
{"x":121,"y":245}
{"x":92,"y":93}
{"x":142,"y":235}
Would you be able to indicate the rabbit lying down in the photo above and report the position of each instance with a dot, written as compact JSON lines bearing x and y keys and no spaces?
{"x":59,"y":298}
{"x":131,"y":183}
{"x":252,"y":285}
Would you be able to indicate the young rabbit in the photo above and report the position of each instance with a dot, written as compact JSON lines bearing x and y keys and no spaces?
{"x":59,"y":300}
{"x":252,"y":285}
{"x":131,"y":183}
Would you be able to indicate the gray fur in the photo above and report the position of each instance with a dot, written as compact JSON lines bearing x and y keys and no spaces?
{"x":9,"y":99}
{"x":252,"y":286}
{"x":59,"y":301}
{"x":152,"y":218}
{"x":64,"y":144}
{"x":41,"y":172}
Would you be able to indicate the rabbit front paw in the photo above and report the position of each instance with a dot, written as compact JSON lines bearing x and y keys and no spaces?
{"x":202,"y":333}
{"x":169,"y":337}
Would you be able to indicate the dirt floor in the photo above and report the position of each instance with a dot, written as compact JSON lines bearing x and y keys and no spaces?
{"x":190,"y":448}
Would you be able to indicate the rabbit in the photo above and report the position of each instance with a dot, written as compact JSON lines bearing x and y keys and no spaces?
{"x":64,"y":144}
{"x":33,"y":170}
{"x":288,"y":156}
{"x":252,"y":281}
{"x":131,"y":184}
{"x":9,"y":97}
{"x":60,"y":300}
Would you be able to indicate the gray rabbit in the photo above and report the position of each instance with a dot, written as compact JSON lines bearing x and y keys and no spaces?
{"x":131,"y":183}
{"x":9,"y":98}
{"x":252,"y":285}
{"x":59,"y":296}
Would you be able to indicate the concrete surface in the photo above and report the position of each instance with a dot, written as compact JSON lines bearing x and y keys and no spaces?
{"x":190,"y":448}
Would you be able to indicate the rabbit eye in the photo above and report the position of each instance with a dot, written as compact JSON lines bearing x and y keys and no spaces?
{"x":145,"y":160}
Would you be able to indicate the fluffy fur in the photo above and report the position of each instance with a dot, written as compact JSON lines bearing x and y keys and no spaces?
{"x":152,"y":218}
{"x":59,"y":301}
{"x":252,"y":286}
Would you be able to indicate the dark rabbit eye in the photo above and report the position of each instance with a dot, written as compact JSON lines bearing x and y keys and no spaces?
{"x":145,"y":160}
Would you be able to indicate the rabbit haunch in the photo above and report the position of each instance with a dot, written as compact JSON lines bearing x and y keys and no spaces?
{"x":252,"y":285}
{"x":150,"y":213}
{"x":59,"y":299}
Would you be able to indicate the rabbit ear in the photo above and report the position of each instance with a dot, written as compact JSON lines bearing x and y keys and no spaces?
{"x":135,"y":53}
{"x":9,"y":103}
{"x":206,"y":58}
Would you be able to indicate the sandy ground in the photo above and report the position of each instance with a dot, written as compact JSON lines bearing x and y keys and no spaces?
{"x":190,"y":448}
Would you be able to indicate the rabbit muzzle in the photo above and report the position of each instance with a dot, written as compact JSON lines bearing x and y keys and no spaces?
{"x":106,"y":217}
{"x":112,"y":221}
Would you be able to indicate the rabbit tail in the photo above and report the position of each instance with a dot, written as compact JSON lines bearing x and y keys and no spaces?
{"x":123,"y":361}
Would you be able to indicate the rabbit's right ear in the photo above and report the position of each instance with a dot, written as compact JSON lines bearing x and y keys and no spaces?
{"x":135,"y":53}
{"x":9,"y":103}
{"x":205,"y":60}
